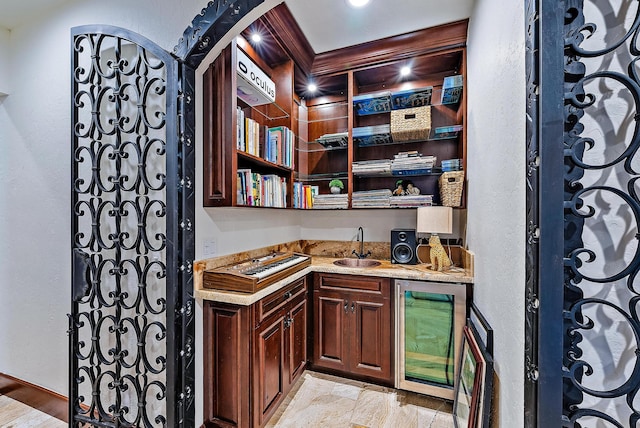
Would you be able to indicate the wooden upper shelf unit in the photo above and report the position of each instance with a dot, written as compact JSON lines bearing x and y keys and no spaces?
{"x":287,"y":58}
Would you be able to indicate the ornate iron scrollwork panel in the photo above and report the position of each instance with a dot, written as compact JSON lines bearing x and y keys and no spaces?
{"x":602,"y":214}
{"x":127,"y":291}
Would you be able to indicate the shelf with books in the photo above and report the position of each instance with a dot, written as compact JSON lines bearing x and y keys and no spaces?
{"x":261,"y":190}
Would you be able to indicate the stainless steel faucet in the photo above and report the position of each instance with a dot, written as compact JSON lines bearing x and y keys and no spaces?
{"x":361,"y":254}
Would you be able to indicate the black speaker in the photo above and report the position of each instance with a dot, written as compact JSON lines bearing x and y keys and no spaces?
{"x":403,"y":246}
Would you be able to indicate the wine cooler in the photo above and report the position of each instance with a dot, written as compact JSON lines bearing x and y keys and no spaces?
{"x":429,"y":321}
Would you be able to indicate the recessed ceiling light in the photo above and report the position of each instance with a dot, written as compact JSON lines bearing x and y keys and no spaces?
{"x":358,"y":3}
{"x":312,"y":87}
{"x":405,"y":71}
{"x":256,"y":37}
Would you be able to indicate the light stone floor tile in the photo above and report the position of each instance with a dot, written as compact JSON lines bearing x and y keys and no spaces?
{"x":316,"y":401}
{"x":324,"y":401}
{"x":14,"y":414}
{"x":372,"y":408}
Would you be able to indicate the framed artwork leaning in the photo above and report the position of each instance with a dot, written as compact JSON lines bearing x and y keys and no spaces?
{"x":473,"y":388}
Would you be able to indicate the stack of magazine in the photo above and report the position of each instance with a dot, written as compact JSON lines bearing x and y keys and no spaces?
{"x":371,"y":199}
{"x":372,"y":135}
{"x":412,"y":163}
{"x":331,"y":201}
{"x":338,"y":139}
{"x":372,"y":167}
{"x":411,"y":201}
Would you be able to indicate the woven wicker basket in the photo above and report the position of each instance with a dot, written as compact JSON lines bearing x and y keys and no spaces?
{"x":411,"y":124}
{"x":451,"y":183}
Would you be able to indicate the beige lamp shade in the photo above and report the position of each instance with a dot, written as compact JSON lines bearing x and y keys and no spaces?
{"x":435,"y":220}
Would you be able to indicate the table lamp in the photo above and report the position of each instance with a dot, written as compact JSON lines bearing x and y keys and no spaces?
{"x":436,"y":220}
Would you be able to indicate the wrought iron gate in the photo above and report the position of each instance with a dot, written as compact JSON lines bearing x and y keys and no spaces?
{"x":583,"y":365}
{"x":131,"y":327}
{"x":131,"y":322}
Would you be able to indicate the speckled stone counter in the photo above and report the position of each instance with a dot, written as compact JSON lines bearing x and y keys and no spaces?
{"x":324,"y":253}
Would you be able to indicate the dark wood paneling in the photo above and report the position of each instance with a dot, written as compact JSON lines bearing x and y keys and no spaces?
{"x":404,"y":46}
{"x":219,"y":127}
{"x":329,"y":332}
{"x":269,"y":364}
{"x":226,"y":361}
{"x":372,"y":348}
{"x":35,"y":396}
{"x":297,"y":340}
{"x":367,"y":284}
{"x":352,"y":327}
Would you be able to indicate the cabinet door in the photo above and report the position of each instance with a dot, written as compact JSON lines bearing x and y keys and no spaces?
{"x":297,"y":340}
{"x":330,"y":331}
{"x":372,"y":337}
{"x":269,"y":365}
{"x":226,"y":364}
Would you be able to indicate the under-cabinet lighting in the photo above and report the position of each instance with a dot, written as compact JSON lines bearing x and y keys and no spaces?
{"x":405,"y":71}
{"x":312,"y":87}
{"x":256,"y":37}
{"x":358,"y":3}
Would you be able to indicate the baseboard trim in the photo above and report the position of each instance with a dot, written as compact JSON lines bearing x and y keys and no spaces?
{"x":35,"y":396}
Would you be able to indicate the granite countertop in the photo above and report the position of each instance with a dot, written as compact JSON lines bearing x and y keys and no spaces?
{"x":323,"y":262}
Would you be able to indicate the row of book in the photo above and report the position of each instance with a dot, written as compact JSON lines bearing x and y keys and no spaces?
{"x":276,"y":145}
{"x":451,"y":165}
{"x":303,"y":195}
{"x":248,"y":134}
{"x":385,"y":101}
{"x":261,"y":190}
{"x":280,"y":146}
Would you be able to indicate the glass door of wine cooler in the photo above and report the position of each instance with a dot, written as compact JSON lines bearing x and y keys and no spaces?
{"x":429,"y":321}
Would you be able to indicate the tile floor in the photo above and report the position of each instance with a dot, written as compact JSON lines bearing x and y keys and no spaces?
{"x":319,"y":400}
{"x":14,"y":414}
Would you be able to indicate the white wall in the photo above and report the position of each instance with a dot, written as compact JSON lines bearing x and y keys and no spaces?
{"x":5,"y":37}
{"x":496,"y":203}
{"x":35,"y":175}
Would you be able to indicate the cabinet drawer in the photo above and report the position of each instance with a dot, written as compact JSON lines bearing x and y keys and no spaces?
{"x":280,"y":298}
{"x":368,"y":284}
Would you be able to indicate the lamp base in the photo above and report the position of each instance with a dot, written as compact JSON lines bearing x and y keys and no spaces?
{"x":439,"y":258}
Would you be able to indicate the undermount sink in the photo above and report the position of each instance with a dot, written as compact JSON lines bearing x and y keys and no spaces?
{"x":356,"y":263}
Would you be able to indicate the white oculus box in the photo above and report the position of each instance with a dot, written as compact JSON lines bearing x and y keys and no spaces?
{"x":254,"y":87}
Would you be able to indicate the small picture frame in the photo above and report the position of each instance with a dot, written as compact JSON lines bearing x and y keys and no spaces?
{"x":472,"y":397}
{"x":482,"y":329}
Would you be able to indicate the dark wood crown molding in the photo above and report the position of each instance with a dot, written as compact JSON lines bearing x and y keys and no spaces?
{"x":403,"y":46}
{"x":285,"y":29}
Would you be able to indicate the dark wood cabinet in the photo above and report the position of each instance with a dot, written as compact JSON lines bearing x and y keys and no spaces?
{"x":253,"y":355}
{"x":352,"y":326}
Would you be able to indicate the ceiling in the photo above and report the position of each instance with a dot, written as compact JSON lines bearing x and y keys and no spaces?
{"x":328,"y":24}
{"x":333,"y":24}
